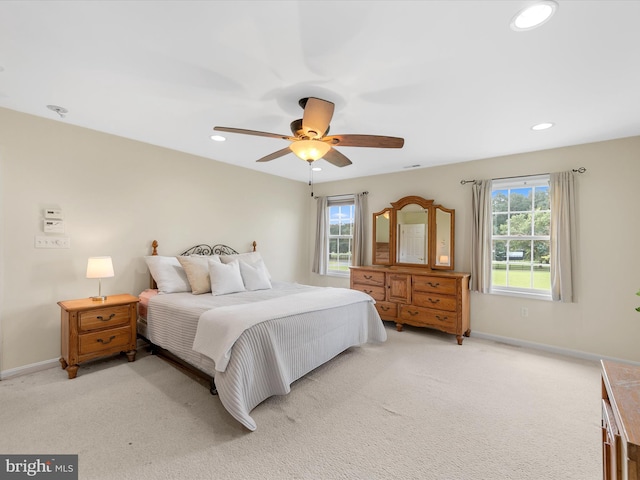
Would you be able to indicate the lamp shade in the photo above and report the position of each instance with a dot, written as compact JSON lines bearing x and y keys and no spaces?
{"x":310,"y":150}
{"x":99,"y":267}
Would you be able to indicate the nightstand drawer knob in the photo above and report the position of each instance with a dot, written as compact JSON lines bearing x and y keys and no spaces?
{"x":102,"y":319}
{"x":104,"y":342}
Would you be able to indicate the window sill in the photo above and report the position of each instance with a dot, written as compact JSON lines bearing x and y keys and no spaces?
{"x":339,"y":275}
{"x":520,"y":294}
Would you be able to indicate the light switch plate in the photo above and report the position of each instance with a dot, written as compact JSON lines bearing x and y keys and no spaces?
{"x":43,"y":241}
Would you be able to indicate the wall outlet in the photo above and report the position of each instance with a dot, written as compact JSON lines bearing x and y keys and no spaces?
{"x":42,"y":241}
{"x":524,"y":312}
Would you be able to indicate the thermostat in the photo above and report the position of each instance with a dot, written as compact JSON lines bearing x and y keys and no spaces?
{"x":53,"y":226}
{"x":53,"y":213}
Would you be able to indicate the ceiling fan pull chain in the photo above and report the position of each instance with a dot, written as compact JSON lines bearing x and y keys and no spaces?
{"x":311,"y":179}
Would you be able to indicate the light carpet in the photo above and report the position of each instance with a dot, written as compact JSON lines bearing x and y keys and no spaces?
{"x":416,"y":407}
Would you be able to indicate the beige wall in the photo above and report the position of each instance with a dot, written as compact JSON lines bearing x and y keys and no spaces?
{"x":117,"y":195}
{"x":603,"y":321}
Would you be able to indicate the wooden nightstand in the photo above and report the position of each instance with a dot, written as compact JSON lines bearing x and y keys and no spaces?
{"x":92,"y":329}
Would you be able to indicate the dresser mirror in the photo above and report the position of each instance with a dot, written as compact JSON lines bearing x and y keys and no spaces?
{"x":414,"y":231}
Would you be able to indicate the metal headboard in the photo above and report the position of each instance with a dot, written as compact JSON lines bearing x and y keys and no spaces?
{"x":203,"y":249}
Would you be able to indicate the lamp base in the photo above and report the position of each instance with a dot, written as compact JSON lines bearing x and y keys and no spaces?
{"x":101,"y":298}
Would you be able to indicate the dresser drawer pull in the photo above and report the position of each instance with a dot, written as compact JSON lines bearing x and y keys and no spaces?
{"x":102,"y":319}
{"x":431,"y":300}
{"x":104,"y":342}
{"x":385,"y":308}
{"x":442,"y":319}
{"x":368,"y":277}
{"x":434,"y":285}
{"x":368,"y":291}
{"x":413,"y":314}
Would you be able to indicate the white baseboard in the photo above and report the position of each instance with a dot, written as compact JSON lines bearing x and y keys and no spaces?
{"x":37,"y":367}
{"x":32,"y":368}
{"x":549,"y":348}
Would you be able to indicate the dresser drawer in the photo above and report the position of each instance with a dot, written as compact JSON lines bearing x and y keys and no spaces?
{"x":103,"y":318}
{"x":367,"y":277}
{"x":420,"y":316}
{"x":105,"y":340}
{"x":387,"y":310}
{"x":378,"y":293}
{"x":434,"y":300}
{"x":442,"y":285}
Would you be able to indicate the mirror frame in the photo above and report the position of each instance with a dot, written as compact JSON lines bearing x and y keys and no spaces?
{"x":432,"y":233}
{"x":384,"y":258}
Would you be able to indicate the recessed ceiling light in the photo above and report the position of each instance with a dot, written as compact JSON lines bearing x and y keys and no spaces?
{"x":218,"y":138}
{"x":542,"y":126}
{"x":534,"y":15}
{"x":316,"y":169}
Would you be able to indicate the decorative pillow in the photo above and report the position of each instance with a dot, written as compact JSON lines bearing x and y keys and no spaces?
{"x":251,"y":258}
{"x":168,"y":274}
{"x":255,"y":277}
{"x":225,"y":277}
{"x":197,"y":269}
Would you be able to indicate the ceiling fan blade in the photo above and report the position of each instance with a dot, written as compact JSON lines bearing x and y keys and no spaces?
{"x":274,"y":155}
{"x":375,"y":141}
{"x":316,"y":117}
{"x":336,"y":158}
{"x":253,"y":132}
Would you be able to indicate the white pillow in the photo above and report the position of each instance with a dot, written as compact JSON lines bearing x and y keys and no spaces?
{"x":197,"y":269}
{"x":251,"y":258}
{"x":255,"y":277}
{"x":168,"y":274}
{"x":225,"y":277}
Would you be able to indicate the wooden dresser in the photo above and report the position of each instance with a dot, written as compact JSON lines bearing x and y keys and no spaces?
{"x":620,"y":421}
{"x":91,"y":329}
{"x":417,"y":296}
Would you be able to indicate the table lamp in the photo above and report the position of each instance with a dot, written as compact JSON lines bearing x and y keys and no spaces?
{"x":99,"y":267}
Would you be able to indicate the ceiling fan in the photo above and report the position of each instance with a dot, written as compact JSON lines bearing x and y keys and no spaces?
{"x":310,"y":141}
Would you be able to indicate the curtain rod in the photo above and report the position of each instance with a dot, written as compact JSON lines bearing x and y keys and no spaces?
{"x":342,"y":195}
{"x":577,"y":170}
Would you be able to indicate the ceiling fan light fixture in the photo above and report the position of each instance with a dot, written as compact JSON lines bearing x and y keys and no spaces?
{"x":310,"y":150}
{"x":534,"y":15}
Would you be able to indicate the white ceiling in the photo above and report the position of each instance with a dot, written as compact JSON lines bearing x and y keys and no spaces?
{"x":450,"y":77}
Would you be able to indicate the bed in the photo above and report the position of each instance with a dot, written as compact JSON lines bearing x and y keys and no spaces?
{"x":252,"y":339}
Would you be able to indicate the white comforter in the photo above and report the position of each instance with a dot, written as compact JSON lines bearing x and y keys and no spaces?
{"x":219,"y":328}
{"x":271,"y":354}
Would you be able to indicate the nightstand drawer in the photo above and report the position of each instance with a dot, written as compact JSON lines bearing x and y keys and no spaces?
{"x":103,"y":318}
{"x":105,"y":340}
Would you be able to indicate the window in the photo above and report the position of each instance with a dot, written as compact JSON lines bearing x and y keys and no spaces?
{"x":341,"y":212}
{"x":520,"y":242}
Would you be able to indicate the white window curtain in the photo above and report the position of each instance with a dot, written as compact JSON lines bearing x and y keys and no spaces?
{"x":563,"y":235}
{"x":481,"y":237}
{"x":359,"y":229}
{"x":320,"y":255}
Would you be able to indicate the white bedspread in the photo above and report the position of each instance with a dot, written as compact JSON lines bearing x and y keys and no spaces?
{"x":219,"y":328}
{"x":269,"y":356}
